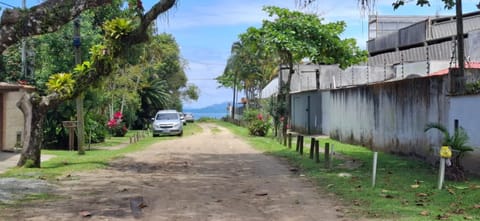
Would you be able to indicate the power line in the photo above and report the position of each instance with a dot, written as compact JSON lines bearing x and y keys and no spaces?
{"x":11,"y":6}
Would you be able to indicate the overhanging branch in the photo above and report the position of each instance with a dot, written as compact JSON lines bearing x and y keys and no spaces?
{"x":43,"y":18}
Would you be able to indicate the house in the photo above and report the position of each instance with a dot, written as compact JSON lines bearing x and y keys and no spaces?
{"x":11,"y":118}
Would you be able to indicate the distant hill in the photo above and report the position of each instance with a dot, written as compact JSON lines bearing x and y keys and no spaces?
{"x":215,"y":108}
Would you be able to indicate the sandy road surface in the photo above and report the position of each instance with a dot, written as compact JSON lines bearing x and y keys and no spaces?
{"x":213,"y":175}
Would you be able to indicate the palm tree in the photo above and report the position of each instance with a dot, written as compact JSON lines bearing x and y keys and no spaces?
{"x":458,"y":142}
{"x":154,"y":96}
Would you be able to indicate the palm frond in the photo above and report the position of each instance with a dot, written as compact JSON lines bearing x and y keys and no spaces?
{"x":459,"y":140}
{"x":442,"y":129}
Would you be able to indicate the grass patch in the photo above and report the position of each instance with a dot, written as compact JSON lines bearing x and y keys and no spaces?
{"x":66,"y":162}
{"x":215,"y":130}
{"x":38,"y":196}
{"x":405,"y":189}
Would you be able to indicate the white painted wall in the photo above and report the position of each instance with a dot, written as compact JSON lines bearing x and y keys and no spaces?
{"x":13,"y":119}
{"x":466,"y":110}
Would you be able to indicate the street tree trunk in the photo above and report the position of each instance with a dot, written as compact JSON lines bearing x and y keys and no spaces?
{"x":34,"y":109}
{"x":284,"y":95}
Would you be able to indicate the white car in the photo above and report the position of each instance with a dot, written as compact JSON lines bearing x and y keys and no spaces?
{"x":189,"y":117}
{"x":167,"y":122}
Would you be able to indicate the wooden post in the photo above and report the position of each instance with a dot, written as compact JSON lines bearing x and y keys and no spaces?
{"x":301,"y":146}
{"x":374,"y":169}
{"x":71,"y":125}
{"x":71,"y":138}
{"x":327,"y":155}
{"x":332,"y":153}
{"x":289,"y":140}
{"x":297,"y":147}
{"x":312,"y":147}
{"x":284,"y":140}
{"x":301,"y":143}
{"x":317,"y":151}
{"x":130,"y":139}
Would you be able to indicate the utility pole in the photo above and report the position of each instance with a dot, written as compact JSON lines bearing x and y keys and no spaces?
{"x":24,"y":47}
{"x":460,"y":40}
{"x":79,"y":99}
{"x":234,"y":95}
{"x":457,"y":77}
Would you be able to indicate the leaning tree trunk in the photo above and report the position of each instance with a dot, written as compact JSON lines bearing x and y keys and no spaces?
{"x":34,"y":109}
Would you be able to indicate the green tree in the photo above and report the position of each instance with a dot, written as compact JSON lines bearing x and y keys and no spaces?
{"x":49,"y":60}
{"x":48,"y":17}
{"x":249,"y":68}
{"x":164,"y":83}
{"x":294,"y":36}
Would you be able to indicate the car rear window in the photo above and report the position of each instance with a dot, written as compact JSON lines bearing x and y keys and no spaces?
{"x":167,"y":116}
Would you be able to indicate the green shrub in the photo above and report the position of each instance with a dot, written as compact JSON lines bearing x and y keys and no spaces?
{"x":257,"y":124}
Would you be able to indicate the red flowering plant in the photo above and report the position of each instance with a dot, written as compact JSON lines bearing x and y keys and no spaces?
{"x":116,"y":125}
{"x":257,"y":123}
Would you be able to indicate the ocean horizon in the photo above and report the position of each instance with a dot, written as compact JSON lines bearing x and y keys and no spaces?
{"x":215,"y":115}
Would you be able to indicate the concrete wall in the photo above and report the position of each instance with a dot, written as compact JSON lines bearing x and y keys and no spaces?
{"x":389,"y":116}
{"x":465,"y":110}
{"x":13,"y":119}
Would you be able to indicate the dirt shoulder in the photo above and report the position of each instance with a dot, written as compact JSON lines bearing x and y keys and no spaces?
{"x":213,"y":175}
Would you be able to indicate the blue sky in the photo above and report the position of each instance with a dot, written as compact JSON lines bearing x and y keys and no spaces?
{"x":205,"y":30}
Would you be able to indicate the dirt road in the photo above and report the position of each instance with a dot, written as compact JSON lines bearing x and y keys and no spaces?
{"x":213,"y":175}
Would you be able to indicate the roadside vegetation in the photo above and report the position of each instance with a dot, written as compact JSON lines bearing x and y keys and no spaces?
{"x":405,"y":189}
{"x":65,"y":162}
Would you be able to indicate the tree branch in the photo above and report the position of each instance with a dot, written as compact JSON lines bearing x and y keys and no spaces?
{"x":43,"y":18}
{"x":140,"y":34}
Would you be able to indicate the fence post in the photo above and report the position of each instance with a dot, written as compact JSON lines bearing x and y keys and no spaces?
{"x":289,"y":140}
{"x":327,"y":155}
{"x":301,"y":147}
{"x":302,"y":144}
{"x":317,"y":151}
{"x":332,"y":153}
{"x":297,"y":147}
{"x":312,"y":147}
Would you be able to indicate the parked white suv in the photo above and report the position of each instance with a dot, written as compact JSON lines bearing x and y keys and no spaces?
{"x":167,"y":122}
